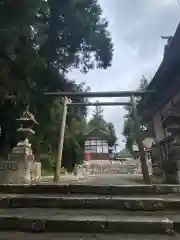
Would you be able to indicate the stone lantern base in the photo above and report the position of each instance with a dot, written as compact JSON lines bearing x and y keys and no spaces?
{"x":19,"y":167}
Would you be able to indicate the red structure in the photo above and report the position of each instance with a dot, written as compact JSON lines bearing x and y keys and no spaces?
{"x":87,"y":156}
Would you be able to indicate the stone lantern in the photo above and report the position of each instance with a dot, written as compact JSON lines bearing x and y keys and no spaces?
{"x":20,"y":166}
{"x":23,"y":153}
{"x":27,"y":122}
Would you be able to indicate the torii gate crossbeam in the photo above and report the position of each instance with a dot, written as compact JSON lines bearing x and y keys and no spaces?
{"x":73,"y":104}
{"x":131,"y":94}
{"x":100,"y":94}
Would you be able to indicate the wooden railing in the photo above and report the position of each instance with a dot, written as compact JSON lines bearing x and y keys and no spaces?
{"x":160,"y":154}
{"x":165,"y":148}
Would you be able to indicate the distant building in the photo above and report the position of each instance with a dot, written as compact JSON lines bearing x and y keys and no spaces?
{"x":96,"y":144}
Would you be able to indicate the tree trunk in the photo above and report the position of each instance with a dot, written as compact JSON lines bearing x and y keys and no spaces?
{"x":144,"y":165}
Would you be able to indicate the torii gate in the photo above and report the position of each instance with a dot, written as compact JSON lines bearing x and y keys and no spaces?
{"x":67,"y":101}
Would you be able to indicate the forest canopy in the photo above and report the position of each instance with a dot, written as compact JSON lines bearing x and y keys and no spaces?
{"x":41,"y":41}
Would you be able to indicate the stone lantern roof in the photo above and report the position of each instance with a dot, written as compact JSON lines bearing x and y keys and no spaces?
{"x":27,"y":122}
{"x":27,"y":116}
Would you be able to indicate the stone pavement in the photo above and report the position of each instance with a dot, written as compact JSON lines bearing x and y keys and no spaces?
{"x":82,"y":236}
{"x":113,"y":179}
{"x":88,"y":221}
{"x":103,"y":207}
{"x":101,"y":179}
{"x":63,"y":179}
{"x":144,"y":209}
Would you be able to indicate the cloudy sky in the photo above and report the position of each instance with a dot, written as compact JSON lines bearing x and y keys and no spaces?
{"x":136,"y":27}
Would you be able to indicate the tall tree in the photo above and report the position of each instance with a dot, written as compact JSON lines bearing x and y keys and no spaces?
{"x":77,"y":35}
{"x":40,"y":42}
{"x":129,"y":125}
{"x":136,"y":136}
{"x":98,"y":112}
{"x":143,"y":83}
{"x":98,"y":122}
{"x":112,"y":134}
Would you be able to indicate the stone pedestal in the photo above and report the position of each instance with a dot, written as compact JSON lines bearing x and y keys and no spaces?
{"x":18,"y":169}
{"x":37,"y":171}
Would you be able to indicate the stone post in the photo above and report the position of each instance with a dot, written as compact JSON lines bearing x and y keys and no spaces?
{"x":37,"y":171}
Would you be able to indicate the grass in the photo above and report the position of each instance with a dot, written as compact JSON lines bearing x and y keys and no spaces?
{"x":46,"y":173}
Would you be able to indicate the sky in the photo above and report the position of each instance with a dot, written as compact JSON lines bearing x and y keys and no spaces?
{"x":136,"y":28}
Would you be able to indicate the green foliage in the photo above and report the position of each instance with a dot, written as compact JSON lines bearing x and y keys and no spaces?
{"x":78,"y":35}
{"x":124,"y":153}
{"x":112,"y":134}
{"x":40,"y":42}
{"x":97,"y":122}
{"x":129,"y":125}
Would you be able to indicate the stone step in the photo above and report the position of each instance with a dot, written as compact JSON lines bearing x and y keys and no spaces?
{"x":84,"y":236}
{"x":88,"y":221}
{"x":90,"y":189}
{"x":136,"y":202}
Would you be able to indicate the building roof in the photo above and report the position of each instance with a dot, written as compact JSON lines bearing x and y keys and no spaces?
{"x":165,"y":81}
{"x":96,"y":130}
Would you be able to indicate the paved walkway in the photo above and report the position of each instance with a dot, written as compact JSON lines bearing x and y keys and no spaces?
{"x":114,"y":179}
{"x":63,"y":179}
{"x":101,"y":179}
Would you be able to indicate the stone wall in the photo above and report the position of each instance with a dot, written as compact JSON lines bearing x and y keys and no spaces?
{"x":108,"y":169}
{"x":130,"y":167}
